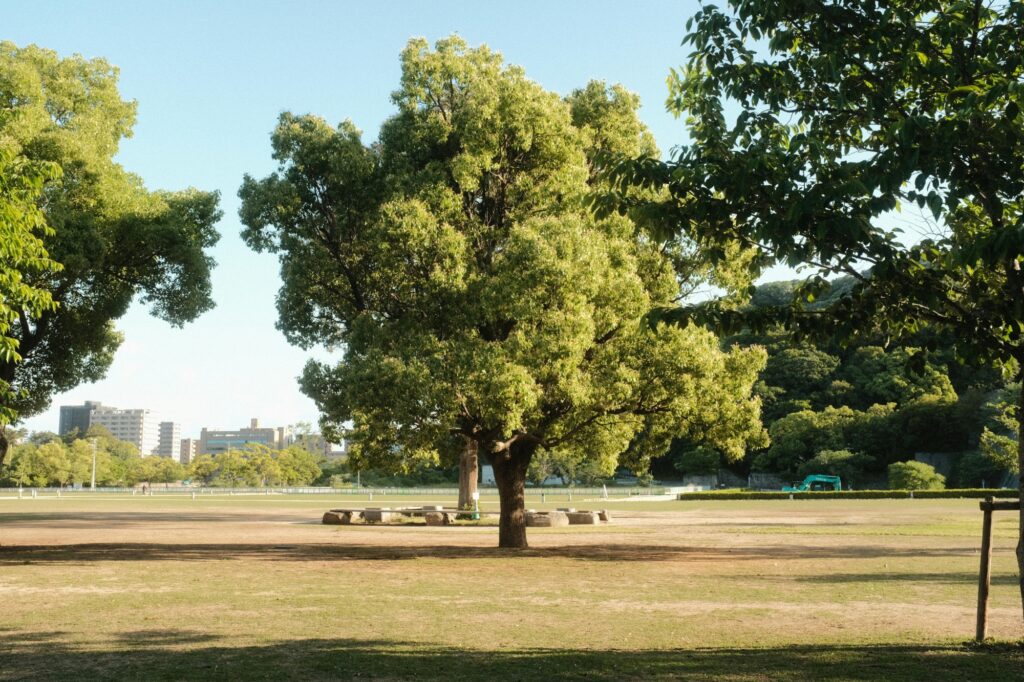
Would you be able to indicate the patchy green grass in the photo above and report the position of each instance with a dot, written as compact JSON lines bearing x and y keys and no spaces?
{"x":240,"y":587}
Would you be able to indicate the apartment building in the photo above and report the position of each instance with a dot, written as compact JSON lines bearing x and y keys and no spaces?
{"x":139,"y":426}
{"x":170,"y":440}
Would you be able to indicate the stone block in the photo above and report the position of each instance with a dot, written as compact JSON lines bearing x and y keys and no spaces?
{"x":436,"y":519}
{"x":604,"y":515}
{"x":567,"y":510}
{"x":547,"y":519}
{"x":558,"y":518}
{"x":538,"y":521}
{"x":583,"y":518}
{"x":332,"y":518}
{"x":377,"y":515}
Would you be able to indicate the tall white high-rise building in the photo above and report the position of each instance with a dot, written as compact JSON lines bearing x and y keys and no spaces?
{"x":170,"y":440}
{"x":135,"y":426}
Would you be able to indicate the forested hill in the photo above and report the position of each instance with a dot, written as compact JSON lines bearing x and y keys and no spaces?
{"x":853,"y":410}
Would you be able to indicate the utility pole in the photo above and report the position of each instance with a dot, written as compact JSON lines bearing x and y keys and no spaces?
{"x":92,"y":484}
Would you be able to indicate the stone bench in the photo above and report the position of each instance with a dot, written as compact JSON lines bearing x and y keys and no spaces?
{"x":436,"y":515}
{"x":546,"y":519}
{"x":377,"y":514}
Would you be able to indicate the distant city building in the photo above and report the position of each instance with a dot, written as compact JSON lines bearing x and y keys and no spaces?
{"x":77,"y":417}
{"x":215,"y":442}
{"x":188,"y":450}
{"x":311,"y":442}
{"x":170,"y":440}
{"x":140,"y":427}
{"x":337,"y":450}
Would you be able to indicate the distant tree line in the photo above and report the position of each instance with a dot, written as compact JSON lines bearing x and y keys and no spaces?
{"x":256,"y":465}
{"x":45,"y":459}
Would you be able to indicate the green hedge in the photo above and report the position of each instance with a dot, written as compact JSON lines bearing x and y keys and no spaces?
{"x":969,"y":493}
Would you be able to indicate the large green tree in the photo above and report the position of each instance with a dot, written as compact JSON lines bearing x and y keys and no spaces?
{"x":23,"y":257}
{"x":473,"y":295}
{"x":116,"y":240}
{"x":811,"y":123}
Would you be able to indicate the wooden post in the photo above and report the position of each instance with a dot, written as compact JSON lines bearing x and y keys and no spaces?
{"x":988,"y":505}
{"x":985,"y":574}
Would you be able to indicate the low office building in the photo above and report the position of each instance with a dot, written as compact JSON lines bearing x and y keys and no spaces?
{"x":213,"y":442}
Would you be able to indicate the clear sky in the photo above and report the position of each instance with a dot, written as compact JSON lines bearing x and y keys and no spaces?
{"x":211,"y":78}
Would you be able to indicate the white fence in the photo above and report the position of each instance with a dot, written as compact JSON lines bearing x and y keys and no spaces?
{"x":159,"y":489}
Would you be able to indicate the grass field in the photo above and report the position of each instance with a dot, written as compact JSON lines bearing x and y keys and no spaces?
{"x":253,"y":587}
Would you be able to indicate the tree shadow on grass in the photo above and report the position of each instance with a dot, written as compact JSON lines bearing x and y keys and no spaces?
{"x":164,"y":637}
{"x":595,"y":551}
{"x":164,"y":657}
{"x":886,"y":577}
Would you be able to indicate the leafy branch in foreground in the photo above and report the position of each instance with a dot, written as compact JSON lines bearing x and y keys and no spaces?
{"x":116,"y":241}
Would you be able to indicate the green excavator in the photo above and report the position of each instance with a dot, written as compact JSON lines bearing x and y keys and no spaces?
{"x":815,"y":482}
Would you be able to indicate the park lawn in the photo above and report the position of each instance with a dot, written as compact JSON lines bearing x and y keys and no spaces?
{"x":239,"y":587}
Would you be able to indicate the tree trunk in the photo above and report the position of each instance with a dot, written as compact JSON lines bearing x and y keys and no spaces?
{"x":1020,"y":474}
{"x":4,"y":444}
{"x":468,"y":473}
{"x":510,"y":476}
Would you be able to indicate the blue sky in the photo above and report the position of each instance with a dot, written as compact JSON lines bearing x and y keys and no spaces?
{"x":211,"y":78}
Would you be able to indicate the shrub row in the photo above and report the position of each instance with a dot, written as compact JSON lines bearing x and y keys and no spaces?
{"x":969,"y":493}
